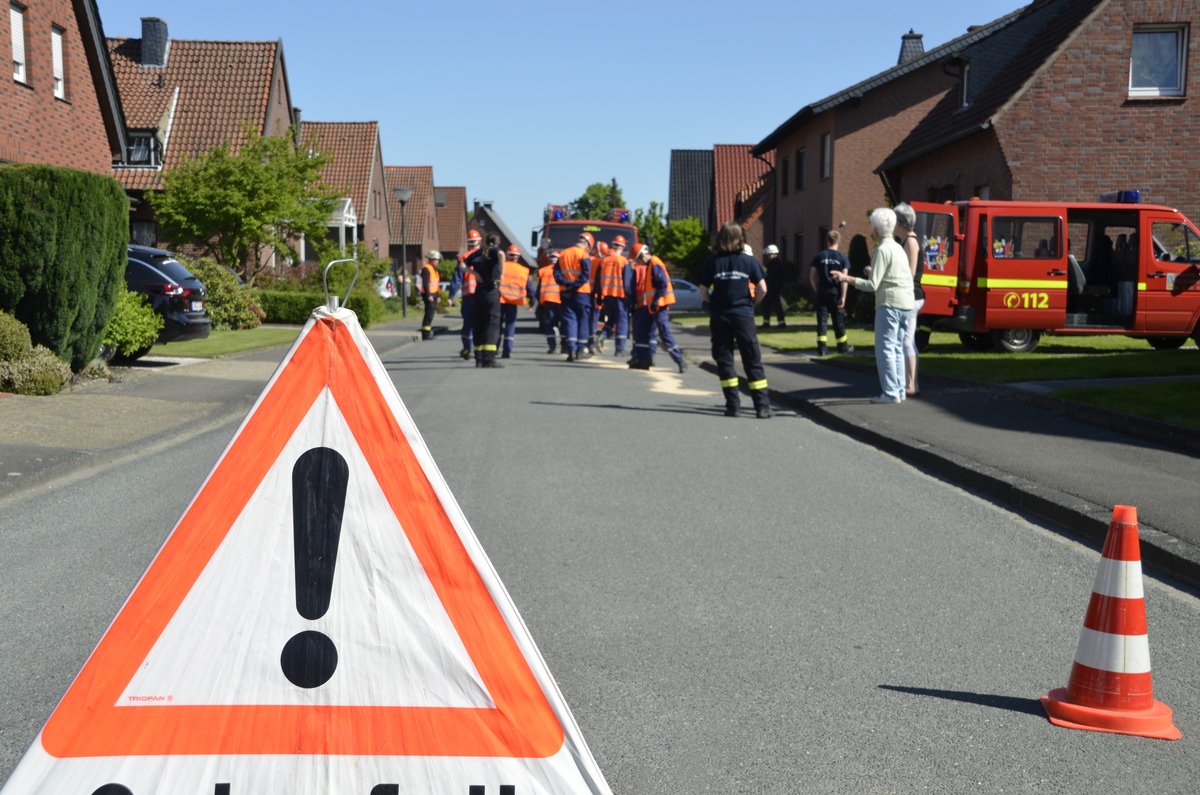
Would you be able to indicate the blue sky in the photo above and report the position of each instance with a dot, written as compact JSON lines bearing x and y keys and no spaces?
{"x":528,"y":102}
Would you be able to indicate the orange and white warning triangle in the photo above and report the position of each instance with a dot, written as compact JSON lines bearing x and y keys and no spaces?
{"x":322,"y":619}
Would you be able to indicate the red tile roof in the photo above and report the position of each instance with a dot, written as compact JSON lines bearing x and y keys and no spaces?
{"x":350,"y":146}
{"x":734,"y":168}
{"x":420,"y":179}
{"x":219,"y":86}
{"x":452,"y":220}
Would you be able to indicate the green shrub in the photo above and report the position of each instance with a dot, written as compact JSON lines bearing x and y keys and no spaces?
{"x":62,"y":254}
{"x":295,"y":307}
{"x":39,"y":373}
{"x":229,"y":303}
{"x":14,"y":339}
{"x":134,"y":325}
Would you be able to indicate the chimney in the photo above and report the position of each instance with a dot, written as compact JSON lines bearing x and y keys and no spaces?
{"x":910,"y":47}
{"x":155,"y":42}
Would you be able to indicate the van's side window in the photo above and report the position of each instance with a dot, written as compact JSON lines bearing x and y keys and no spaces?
{"x":935,"y":231}
{"x":1175,"y":242}
{"x":1026,"y":238}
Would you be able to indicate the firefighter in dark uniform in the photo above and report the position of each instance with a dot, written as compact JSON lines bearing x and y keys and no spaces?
{"x":488,"y":264}
{"x":725,"y":282}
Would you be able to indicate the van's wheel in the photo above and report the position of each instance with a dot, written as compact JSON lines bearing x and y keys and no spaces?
{"x":1166,"y":343}
{"x":976,"y":343}
{"x":1016,"y":340}
{"x":921,"y":339}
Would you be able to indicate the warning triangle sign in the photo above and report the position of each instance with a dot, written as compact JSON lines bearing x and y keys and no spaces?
{"x":322,"y":615}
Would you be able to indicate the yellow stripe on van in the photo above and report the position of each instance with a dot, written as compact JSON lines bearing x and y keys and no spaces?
{"x":938,"y":280}
{"x":1022,"y":284}
{"x":1141,"y":287}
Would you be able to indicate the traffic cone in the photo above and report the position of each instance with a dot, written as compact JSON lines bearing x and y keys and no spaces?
{"x":1110,"y":688}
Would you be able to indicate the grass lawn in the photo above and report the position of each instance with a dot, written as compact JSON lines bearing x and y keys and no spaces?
{"x":1058,"y":358}
{"x":220,"y":343}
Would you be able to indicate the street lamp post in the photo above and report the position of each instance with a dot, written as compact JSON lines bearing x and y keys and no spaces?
{"x":402,"y":196}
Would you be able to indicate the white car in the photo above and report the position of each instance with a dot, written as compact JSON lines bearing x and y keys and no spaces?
{"x":687,"y":296}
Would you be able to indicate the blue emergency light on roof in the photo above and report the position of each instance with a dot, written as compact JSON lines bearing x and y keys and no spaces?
{"x":558,"y":214}
{"x":1121,"y":197}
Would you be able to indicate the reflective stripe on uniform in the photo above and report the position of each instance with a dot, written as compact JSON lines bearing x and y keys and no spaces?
{"x":486,"y":348}
{"x":729,"y":382}
{"x":757,"y":385}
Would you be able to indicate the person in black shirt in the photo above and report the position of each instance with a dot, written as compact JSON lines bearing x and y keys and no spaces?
{"x":830,"y":295}
{"x":773,"y":303}
{"x":488,"y":264}
{"x":733,"y":283}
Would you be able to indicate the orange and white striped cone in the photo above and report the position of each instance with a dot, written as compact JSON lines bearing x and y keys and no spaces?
{"x":1110,"y":688}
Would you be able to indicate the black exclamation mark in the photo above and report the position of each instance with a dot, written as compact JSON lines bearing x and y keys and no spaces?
{"x":319,"y":481}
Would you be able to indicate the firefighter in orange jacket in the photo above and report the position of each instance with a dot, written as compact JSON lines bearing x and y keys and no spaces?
{"x":430,"y":291}
{"x":614,"y":286}
{"x":654,"y":297}
{"x":514,"y":291}
{"x":549,"y":298}
{"x":573,"y":274}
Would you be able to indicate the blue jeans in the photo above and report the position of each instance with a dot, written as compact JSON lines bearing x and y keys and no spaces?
{"x":890,"y":325}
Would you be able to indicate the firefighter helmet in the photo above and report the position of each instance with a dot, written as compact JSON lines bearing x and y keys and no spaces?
{"x":619,"y":240}
{"x":473,"y":236}
{"x":602,"y":248}
{"x":591,"y":241}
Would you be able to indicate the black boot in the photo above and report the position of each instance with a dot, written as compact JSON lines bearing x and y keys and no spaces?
{"x":762,"y":404}
{"x":733,"y":401}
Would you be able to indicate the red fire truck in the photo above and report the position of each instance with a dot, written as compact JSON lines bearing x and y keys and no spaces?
{"x":1002,"y":273}
{"x":560,"y":230}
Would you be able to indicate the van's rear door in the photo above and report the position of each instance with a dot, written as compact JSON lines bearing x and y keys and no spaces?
{"x":1169,"y":284}
{"x":1025,"y":278}
{"x":937,"y":226}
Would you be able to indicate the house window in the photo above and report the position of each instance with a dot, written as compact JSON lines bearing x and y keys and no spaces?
{"x":783,"y":177}
{"x":826,"y":156}
{"x":1156,"y":64}
{"x":799,"y":253}
{"x":144,"y":150}
{"x":439,"y":198}
{"x":801,"y":156}
{"x":16,"y":16}
{"x":143,"y":233}
{"x":60,"y":72}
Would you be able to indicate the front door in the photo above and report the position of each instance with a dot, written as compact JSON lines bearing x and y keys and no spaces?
{"x":1025,"y":280}
{"x":1169,"y":294}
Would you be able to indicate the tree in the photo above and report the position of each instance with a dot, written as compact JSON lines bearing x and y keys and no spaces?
{"x":684,"y":244}
{"x":597,"y":200}
{"x":649,"y":223}
{"x":234,"y":206}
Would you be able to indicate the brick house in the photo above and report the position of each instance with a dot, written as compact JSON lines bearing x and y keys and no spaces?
{"x":420,"y":220}
{"x":1075,"y":98}
{"x":712,"y":185}
{"x":486,"y":220}
{"x":62,"y":105}
{"x":182,"y":98}
{"x":826,"y":154}
{"x":355,"y":170}
{"x":451,"y":207}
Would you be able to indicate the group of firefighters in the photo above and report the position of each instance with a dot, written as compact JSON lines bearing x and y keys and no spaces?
{"x":587,"y":295}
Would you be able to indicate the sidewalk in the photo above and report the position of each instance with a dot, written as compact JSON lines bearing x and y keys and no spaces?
{"x":1063,"y":462}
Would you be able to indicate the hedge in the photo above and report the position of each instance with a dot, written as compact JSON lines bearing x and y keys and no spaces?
{"x":63,"y":235}
{"x":296,"y":306}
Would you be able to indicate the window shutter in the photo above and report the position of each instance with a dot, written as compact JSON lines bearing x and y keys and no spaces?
{"x":17,"y":17}
{"x":56,"y":46}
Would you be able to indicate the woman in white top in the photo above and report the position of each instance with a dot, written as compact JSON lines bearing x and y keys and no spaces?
{"x":891,"y":280}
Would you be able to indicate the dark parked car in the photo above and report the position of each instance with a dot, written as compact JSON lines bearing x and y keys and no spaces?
{"x":173,"y":292}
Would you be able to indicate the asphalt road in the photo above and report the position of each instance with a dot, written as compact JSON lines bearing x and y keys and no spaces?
{"x":727,"y":605}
